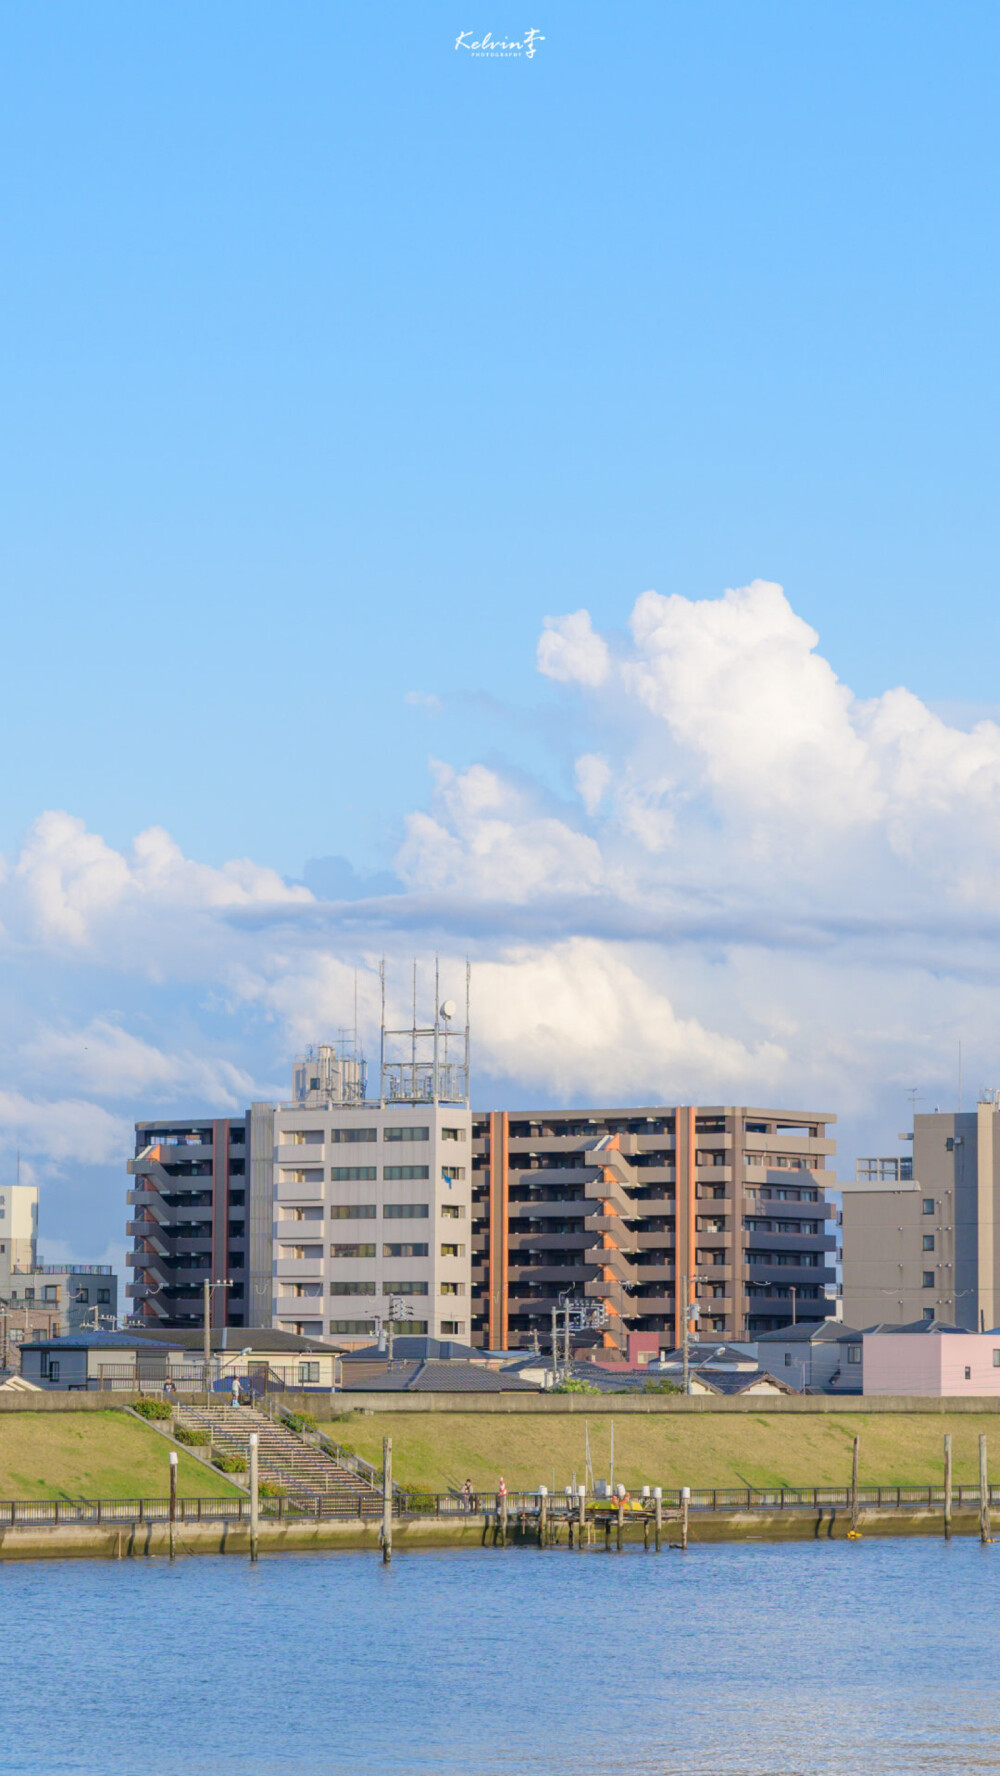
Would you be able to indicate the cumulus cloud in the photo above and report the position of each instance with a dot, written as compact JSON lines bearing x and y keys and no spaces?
{"x":571,"y":651}
{"x":747,"y":882}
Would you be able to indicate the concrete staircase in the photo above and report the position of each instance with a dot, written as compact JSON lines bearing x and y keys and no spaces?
{"x":304,"y":1469}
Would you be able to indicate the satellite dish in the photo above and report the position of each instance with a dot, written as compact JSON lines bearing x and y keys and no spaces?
{"x":448,"y":1009}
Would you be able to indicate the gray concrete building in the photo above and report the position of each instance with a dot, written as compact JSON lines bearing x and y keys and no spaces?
{"x":921,"y":1231}
{"x":56,"y":1298}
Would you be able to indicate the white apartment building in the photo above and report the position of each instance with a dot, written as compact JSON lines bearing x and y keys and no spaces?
{"x":372,"y":1200}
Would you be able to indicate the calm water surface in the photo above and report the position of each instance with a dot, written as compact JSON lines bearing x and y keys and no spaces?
{"x":748,"y":1660}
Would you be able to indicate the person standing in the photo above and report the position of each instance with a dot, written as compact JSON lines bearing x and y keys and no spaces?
{"x":236,"y":1390}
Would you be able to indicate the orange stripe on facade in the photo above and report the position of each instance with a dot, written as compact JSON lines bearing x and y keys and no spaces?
{"x":499,"y":1200}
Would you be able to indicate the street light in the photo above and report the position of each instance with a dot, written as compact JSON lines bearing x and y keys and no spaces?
{"x":206,"y":1373}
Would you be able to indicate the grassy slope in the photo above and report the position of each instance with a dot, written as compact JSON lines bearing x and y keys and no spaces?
{"x":69,"y":1455}
{"x":438,"y":1450}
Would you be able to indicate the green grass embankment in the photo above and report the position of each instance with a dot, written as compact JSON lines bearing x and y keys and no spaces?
{"x":437,"y":1451}
{"x":90,"y":1455}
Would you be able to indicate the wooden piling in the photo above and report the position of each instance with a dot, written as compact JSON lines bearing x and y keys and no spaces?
{"x":685,"y":1503}
{"x":658,"y":1511}
{"x":386,"y":1500}
{"x":173,"y":1504}
{"x":854,"y":1486}
{"x":947,"y":1487}
{"x":621,"y":1520}
{"x":254,"y":1497}
{"x":581,"y":1501}
{"x":984,"y":1495}
{"x":503,"y":1520}
{"x":542,"y":1515}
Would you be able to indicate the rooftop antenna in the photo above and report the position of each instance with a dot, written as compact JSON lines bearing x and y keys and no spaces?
{"x":381,"y":1058}
{"x":959,"y":1078}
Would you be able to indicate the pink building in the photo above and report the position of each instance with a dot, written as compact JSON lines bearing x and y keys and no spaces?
{"x":945,"y":1363}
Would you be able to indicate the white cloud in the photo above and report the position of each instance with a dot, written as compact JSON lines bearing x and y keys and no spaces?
{"x":578,"y":1017}
{"x":755,"y":885}
{"x":591,"y":775}
{"x":63,"y":1129}
{"x":571,"y":651}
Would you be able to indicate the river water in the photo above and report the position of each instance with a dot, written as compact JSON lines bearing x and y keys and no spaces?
{"x":818,"y":1659}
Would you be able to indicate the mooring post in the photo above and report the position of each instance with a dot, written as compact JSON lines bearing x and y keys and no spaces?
{"x":658,"y":1513}
{"x":581,"y":1517}
{"x":621,"y":1515}
{"x":947,"y":1487}
{"x":254,"y":1497}
{"x":386,"y":1500}
{"x":173,"y":1502}
{"x":854,"y":1486}
{"x":503,"y":1520}
{"x":543,"y":1499}
{"x":984,"y":1495}
{"x":685,"y":1503}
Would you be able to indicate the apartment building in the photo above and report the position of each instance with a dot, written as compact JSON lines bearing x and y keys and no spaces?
{"x":372,"y":1200}
{"x":625,"y":1208}
{"x":921,"y":1230}
{"x":202,"y":1211}
{"x":324,"y":1216}
{"x":56,"y":1299}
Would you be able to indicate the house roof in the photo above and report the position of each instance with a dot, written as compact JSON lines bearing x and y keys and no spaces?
{"x":417,"y":1349}
{"x":914,"y":1326}
{"x":233,"y":1339}
{"x":120,"y":1341}
{"x":734,"y":1381}
{"x":440,"y":1378}
{"x":811,"y":1332}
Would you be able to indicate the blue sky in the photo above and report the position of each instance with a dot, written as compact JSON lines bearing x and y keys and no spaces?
{"x":337,"y":360}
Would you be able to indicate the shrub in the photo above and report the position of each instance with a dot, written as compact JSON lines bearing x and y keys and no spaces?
{"x":230,"y":1464}
{"x":194,"y":1439}
{"x":660,"y":1385}
{"x":572,"y":1386}
{"x":271,"y":1489}
{"x":300,"y":1421}
{"x":153,"y":1409}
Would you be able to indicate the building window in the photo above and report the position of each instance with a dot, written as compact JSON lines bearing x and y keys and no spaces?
{"x":928,"y":1205}
{"x":968,"y":1373}
{"x":406,"y":1211}
{"x":83,"y":1296}
{"x":353,"y":1174}
{"x":928,"y":1242}
{"x":452,"y":1328}
{"x":453,"y":1288}
{"x":352,"y":1288}
{"x":394,"y":1173}
{"x":453,"y":1174}
{"x":355,"y":1327}
{"x":308,"y":1374}
{"x":53,"y":1369}
{"x":50,"y":1292}
{"x":104,"y":1297}
{"x":406,"y":1134}
{"x":452,"y":1212}
{"x":928,"y":1279}
{"x":928,"y":1313}
{"x":453,"y":1251}
{"x":854,"y":1353}
{"x":405,"y":1249}
{"x":352,"y":1212}
{"x":788,"y":1359}
{"x":355,"y":1251}
{"x":996,"y":1359}
{"x":338,"y":1136}
{"x":453,"y":1134}
{"x":405,"y":1289}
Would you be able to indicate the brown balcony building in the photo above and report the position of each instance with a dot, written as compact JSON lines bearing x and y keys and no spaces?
{"x":615,"y":1207}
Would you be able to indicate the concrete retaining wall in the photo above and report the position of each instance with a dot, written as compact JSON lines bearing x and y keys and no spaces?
{"x":620,"y":1405}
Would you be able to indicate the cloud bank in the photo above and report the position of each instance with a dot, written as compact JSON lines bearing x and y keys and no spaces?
{"x":752,"y":885}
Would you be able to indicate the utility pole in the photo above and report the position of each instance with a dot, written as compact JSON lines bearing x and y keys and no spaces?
{"x":686,"y":1283}
{"x":793,"y":1291}
{"x":555,"y":1346}
{"x":206,"y":1374}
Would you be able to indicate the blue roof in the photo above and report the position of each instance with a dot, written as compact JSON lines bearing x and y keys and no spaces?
{"x":99,"y":1341}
